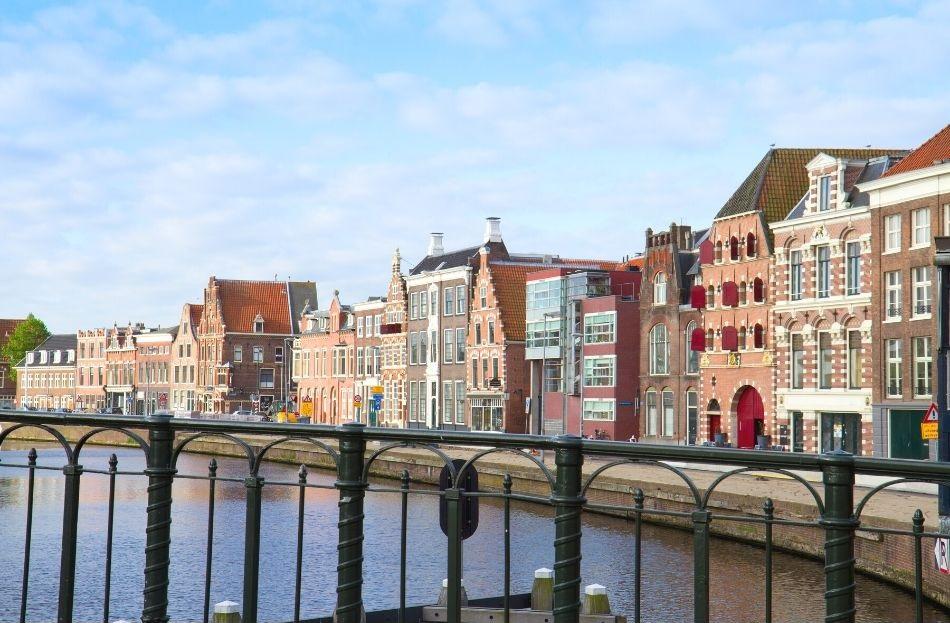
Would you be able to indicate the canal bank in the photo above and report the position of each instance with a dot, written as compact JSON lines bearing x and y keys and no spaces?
{"x":890,"y":557}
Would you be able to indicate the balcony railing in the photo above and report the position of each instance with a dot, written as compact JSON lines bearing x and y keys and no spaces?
{"x":162,"y":439}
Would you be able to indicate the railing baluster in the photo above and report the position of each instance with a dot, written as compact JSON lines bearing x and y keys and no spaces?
{"x":567,"y":500}
{"x":701,"y":519}
{"x":840,"y":524}
{"x":159,"y":523}
{"x":31,"y":458}
{"x":302,"y":479}
{"x":404,"y":528}
{"x":209,"y":548}
{"x":637,"y":572}
{"x":453,"y":503}
{"x":506,"y":483}
{"x":352,"y":487}
{"x":67,"y":561}
{"x":918,"y":567}
{"x":253,"y":486}
{"x":113,"y":465}
{"x":769,"y":508}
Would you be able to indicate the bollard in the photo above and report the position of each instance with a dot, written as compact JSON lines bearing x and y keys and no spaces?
{"x":595,"y":600}
{"x":226,"y":612}
{"x":542,"y":591}
{"x":444,"y":593}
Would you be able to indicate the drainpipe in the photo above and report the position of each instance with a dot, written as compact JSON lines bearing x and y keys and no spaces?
{"x":942,"y":261}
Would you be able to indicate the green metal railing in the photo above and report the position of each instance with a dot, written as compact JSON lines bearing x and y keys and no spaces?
{"x":162,"y":439}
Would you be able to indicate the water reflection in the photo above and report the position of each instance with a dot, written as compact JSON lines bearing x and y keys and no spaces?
{"x":736,"y":570}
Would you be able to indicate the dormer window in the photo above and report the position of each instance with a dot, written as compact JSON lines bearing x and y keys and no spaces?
{"x":29,"y":358}
{"x":259,"y":324}
{"x":824,"y":193}
{"x":43,"y":356}
{"x":70,"y":356}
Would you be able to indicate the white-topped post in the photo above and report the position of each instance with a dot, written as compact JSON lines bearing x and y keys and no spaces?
{"x":595,"y":600}
{"x":542,"y":591}
{"x":227,"y":612}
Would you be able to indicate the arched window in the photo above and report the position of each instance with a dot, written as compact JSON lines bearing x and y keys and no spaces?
{"x":750,"y":249}
{"x":694,"y":338}
{"x":659,"y":289}
{"x":669,"y":418}
{"x":659,"y":350}
{"x":758,"y":336}
{"x":710,"y":297}
{"x":710,"y":337}
{"x":692,"y":416}
{"x":758,"y":290}
{"x":652,"y":412}
{"x":741,"y":338}
{"x":719,"y":251}
{"x":743,"y":293}
{"x":734,"y":248}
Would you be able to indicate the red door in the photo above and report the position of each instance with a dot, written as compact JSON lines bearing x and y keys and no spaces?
{"x":715,"y":425}
{"x":751,"y":417}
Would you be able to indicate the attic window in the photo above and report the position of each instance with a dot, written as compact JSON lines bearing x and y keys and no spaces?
{"x":259,"y":324}
{"x":824,"y":193}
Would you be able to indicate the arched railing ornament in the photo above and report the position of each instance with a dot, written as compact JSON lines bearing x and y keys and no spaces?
{"x":248,"y":450}
{"x":860,"y":507}
{"x":446,"y":460}
{"x":744,"y":470}
{"x":697,"y":496}
{"x":90,"y":434}
{"x":323,"y":446}
{"x":518,"y":451}
{"x":55,"y":434}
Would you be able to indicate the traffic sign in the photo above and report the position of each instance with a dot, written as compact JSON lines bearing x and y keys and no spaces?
{"x":942,"y":555}
{"x":929,"y":425}
{"x":357,"y":401}
{"x":377,"y":389}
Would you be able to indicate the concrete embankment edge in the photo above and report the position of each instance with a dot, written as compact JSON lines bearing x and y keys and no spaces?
{"x":888,"y":557}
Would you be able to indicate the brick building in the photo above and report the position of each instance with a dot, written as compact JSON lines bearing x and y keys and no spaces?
{"x":669,"y":367}
{"x":582,"y":340}
{"x":325,"y":352}
{"x":47,"y":375}
{"x":368,"y":317}
{"x":8,"y":391}
{"x":822,"y":310}
{"x":909,"y":205}
{"x":121,"y":369}
{"x":246,"y":328}
{"x":153,"y":358}
{"x":394,"y":351}
{"x":91,"y":369}
{"x":184,"y":360}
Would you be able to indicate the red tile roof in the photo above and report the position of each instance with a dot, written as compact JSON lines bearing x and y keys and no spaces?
{"x":194,"y":311}
{"x":242,"y":301}
{"x":936,"y":148}
{"x":508,"y":281}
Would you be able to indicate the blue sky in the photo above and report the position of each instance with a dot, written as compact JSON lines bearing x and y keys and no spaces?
{"x":146,"y":146}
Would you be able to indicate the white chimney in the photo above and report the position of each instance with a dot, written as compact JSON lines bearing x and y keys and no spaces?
{"x":492,"y":229}
{"x":435,"y":244}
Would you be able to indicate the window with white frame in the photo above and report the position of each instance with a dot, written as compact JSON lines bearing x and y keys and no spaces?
{"x":692,"y":356}
{"x":258,"y":354}
{"x":659,"y":289}
{"x":921,"y":299}
{"x":825,"y":356}
{"x":895,"y":374}
{"x":359,"y":327}
{"x":483,"y":297}
{"x":855,"y":360}
{"x":921,"y":221}
{"x":360,"y":364}
{"x":460,"y":299}
{"x":892,"y":233}
{"x":823,"y":268}
{"x":659,"y":350}
{"x":447,"y":346}
{"x":448,"y":302}
{"x":423,"y":304}
{"x":668,"y":415}
{"x":795,"y":274}
{"x":413,"y":306}
{"x":853,"y":268}
{"x":600,"y":328}
{"x":434,"y":303}
{"x":598,"y":409}
{"x":448,"y":400}
{"x":460,"y":401}
{"x":652,"y":413}
{"x":491,"y":330}
{"x":892,"y":291}
{"x":923,"y":366}
{"x":798,"y":361}
{"x":238,"y":353}
{"x":824,"y":193}
{"x":600,"y":371}
{"x":267,"y":378}
{"x":945,"y":212}
{"x":460,"y":345}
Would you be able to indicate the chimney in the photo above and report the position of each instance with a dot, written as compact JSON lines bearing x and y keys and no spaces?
{"x":492,"y":229}
{"x":435,"y":244}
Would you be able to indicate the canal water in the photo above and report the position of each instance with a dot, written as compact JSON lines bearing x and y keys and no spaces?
{"x":736,"y":593}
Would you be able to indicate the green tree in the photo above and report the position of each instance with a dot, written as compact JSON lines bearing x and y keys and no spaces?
{"x":28,"y":335}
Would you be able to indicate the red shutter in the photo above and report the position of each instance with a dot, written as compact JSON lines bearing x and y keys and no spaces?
{"x":730,"y":339}
{"x":730,"y":294}
{"x":757,"y":294}
{"x":697,"y":340}
{"x":757,"y":336}
{"x":697,"y":297}
{"x":750,"y":245}
{"x":706,"y":252}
